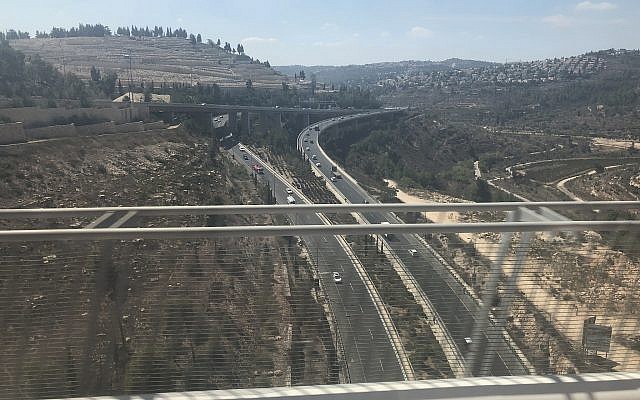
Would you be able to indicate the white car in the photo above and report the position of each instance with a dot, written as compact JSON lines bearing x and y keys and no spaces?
{"x":333,"y":179}
{"x":337,"y":278}
{"x":318,"y":165}
{"x":413,"y":252}
{"x":289,"y":191}
{"x":307,"y":148}
{"x":241,"y":148}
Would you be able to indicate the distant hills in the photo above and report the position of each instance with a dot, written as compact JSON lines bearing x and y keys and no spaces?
{"x":371,"y":73}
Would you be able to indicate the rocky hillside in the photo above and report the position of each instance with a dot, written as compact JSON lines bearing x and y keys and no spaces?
{"x":161,"y":60}
{"x":143,"y":316}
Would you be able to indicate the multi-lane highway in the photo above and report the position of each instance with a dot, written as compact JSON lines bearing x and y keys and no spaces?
{"x":452,"y":300}
{"x":369,"y":352}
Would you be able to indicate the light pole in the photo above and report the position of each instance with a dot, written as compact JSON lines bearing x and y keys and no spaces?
{"x":128,"y":56}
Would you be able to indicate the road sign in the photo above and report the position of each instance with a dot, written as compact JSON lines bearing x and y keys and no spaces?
{"x":596,"y":337}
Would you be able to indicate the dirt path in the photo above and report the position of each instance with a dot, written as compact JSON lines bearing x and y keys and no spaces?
{"x":561,"y":185}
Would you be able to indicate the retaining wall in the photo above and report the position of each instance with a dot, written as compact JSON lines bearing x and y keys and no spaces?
{"x":36,"y":115}
{"x":12,"y":133}
{"x":49,"y":132}
{"x":95,"y":129}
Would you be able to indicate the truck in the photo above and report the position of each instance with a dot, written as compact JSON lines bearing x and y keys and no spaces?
{"x":291,"y":200}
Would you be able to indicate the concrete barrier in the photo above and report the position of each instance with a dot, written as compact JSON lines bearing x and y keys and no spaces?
{"x":49,"y":132}
{"x":12,"y":133}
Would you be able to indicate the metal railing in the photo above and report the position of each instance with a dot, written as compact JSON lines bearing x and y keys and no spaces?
{"x":69,"y":293}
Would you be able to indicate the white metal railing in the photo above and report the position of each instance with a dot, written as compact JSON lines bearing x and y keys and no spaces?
{"x":606,"y":386}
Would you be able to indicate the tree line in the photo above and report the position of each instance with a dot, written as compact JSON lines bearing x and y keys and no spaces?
{"x":22,"y":77}
{"x":99,"y":30}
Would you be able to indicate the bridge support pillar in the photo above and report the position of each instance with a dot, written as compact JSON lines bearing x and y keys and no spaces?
{"x":245,"y":123}
{"x":233,"y":122}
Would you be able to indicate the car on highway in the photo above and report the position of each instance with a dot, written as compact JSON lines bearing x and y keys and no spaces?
{"x":318,"y":165}
{"x":307,"y":148}
{"x":242,"y":148}
{"x":291,"y":200}
{"x":311,"y":141}
{"x":244,"y":156}
{"x":314,"y":157}
{"x":333,"y":179}
{"x":289,"y":191}
{"x":413,"y":252}
{"x":337,"y":278}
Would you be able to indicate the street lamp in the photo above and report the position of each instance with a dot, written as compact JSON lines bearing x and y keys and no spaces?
{"x":128,"y":56}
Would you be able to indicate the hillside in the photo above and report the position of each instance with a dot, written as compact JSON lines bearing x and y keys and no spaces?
{"x":372,"y":73}
{"x":157,"y":59}
{"x":141,"y":316}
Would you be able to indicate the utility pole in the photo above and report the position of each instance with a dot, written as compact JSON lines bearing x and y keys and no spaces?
{"x":128,"y":56}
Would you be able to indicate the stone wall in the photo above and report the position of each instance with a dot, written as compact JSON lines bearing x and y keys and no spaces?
{"x":12,"y":133}
{"x":38,"y":116}
{"x":154,"y":125}
{"x":138,"y":126}
{"x":95,"y":129}
{"x":49,"y":132}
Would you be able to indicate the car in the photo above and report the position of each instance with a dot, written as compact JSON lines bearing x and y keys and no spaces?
{"x":307,"y":148}
{"x":203,"y":104}
{"x":318,"y":165}
{"x":244,"y":156}
{"x":413,"y":252}
{"x":311,"y":141}
{"x":306,"y":140}
{"x":314,"y":157}
{"x":289,"y":191}
{"x":242,"y":148}
{"x":333,"y":179}
{"x":337,"y":278}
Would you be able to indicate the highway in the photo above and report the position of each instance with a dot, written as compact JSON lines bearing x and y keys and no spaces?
{"x":187,"y":107}
{"x":452,"y":300}
{"x":368,"y":351}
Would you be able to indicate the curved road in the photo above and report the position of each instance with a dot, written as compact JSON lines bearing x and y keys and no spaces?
{"x":455,"y":306}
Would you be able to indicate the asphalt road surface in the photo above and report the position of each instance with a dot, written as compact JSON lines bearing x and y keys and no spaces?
{"x":368,"y":351}
{"x":453,"y":304}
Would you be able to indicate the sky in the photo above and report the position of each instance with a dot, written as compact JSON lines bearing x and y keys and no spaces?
{"x":339,"y":32}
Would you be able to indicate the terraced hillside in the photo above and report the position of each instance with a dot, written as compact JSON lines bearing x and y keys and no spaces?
{"x":153,"y":59}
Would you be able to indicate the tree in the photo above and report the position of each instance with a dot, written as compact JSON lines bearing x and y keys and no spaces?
{"x":199,"y":38}
{"x":301,"y":75}
{"x":192,"y":38}
{"x":240,"y":49}
{"x":218,"y":42}
{"x":266,"y":64}
{"x":210,"y":43}
{"x":147,"y":94}
{"x":95,"y":74}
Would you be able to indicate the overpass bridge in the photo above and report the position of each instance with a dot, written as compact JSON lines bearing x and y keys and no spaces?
{"x":211,"y":110}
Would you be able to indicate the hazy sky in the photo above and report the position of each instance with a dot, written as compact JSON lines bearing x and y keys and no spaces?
{"x":354,"y":32}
